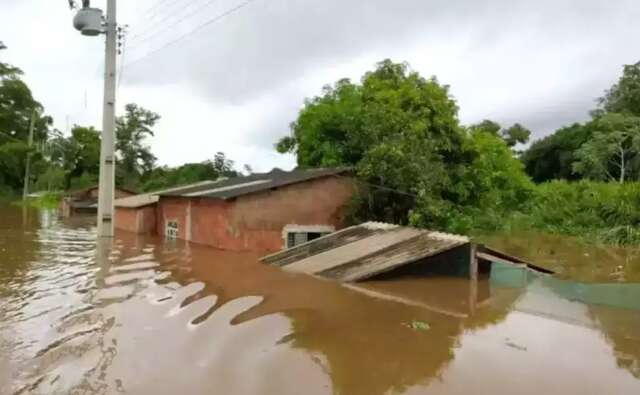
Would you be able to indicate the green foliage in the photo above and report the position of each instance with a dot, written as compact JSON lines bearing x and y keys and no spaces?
{"x":48,"y":200}
{"x":624,"y":96}
{"x":134,"y":156}
{"x":493,"y":186}
{"x":84,"y":180}
{"x":53,"y":178}
{"x":415,"y":163}
{"x":166,"y":177}
{"x":17,"y":108}
{"x":398,"y":130}
{"x":608,"y":212}
{"x":515,"y":134}
{"x":553,"y":156}
{"x":613,"y":150}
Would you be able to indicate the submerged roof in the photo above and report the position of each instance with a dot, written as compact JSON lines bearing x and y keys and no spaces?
{"x":239,"y":186}
{"x":364,"y":251}
{"x":146,"y":199}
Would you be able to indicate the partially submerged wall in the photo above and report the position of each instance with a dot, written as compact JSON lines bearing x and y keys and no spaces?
{"x":256,"y":221}
{"x":140,"y":220}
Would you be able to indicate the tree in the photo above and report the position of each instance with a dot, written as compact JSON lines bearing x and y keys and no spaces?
{"x":494,"y":185}
{"x":17,"y":107}
{"x":134,"y":156}
{"x":624,"y":96}
{"x":189,"y":173}
{"x":613,"y":150}
{"x":399,"y":131}
{"x":512,"y":135}
{"x":79,"y":156}
{"x":553,"y":156}
{"x":486,"y":126}
{"x":516,"y":134}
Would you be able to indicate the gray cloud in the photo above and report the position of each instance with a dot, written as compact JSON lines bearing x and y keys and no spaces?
{"x":237,"y":84}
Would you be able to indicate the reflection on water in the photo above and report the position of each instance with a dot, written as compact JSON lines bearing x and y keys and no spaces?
{"x":138,"y":315}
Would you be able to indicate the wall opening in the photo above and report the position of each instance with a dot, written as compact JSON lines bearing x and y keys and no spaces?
{"x":295,"y":235}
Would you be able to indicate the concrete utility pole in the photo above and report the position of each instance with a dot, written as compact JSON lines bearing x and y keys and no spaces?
{"x":89,"y":21}
{"x":107,"y":155}
{"x":27,"y":167}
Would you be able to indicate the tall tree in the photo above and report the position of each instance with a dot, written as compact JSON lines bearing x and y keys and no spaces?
{"x":414,"y":162}
{"x":516,"y":134}
{"x":398,"y":129}
{"x":17,"y":107}
{"x":134,"y":155}
{"x":552,"y":157}
{"x":613,"y":151}
{"x":513,"y":135}
{"x":79,"y":156}
{"x":624,"y":96}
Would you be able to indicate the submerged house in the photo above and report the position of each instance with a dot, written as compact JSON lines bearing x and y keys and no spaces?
{"x":85,"y":201}
{"x":260,"y":212}
{"x":374,"y":250}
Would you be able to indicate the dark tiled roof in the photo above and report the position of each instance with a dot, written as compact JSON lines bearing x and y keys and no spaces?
{"x":239,"y":186}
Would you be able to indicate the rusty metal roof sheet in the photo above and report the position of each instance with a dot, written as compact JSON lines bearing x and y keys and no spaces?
{"x":364,"y":251}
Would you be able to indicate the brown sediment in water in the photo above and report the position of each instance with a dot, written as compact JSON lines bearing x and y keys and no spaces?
{"x":144,"y":316}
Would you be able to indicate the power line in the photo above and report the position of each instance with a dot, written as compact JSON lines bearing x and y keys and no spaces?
{"x":155,"y":7}
{"x":153,"y":11}
{"x":149,"y":34}
{"x":150,"y":13}
{"x":168,"y":14}
{"x":196,"y":29}
{"x":377,"y":186}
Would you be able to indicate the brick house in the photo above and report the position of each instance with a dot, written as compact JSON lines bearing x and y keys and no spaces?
{"x":261,"y":212}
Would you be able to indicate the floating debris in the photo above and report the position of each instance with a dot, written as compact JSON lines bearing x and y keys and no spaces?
{"x":418,"y":325}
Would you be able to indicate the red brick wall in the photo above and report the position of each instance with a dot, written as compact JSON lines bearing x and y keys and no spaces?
{"x":137,"y":220}
{"x":255,"y":222}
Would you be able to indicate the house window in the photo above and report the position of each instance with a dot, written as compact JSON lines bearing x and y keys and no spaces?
{"x":295,"y":235}
{"x":171,"y":231}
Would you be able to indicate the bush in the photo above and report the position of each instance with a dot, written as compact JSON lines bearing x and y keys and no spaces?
{"x":608,"y":212}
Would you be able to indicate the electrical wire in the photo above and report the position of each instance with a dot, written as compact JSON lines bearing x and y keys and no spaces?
{"x":150,"y":13}
{"x":156,"y":7}
{"x":168,"y":14}
{"x":149,"y":34}
{"x":397,"y":191}
{"x":196,"y":29}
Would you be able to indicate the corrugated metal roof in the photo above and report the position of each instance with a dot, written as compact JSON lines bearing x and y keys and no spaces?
{"x":364,"y":251}
{"x":258,"y":182}
{"x":146,"y":199}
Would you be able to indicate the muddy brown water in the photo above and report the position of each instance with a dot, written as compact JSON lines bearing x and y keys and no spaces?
{"x":139,"y":315}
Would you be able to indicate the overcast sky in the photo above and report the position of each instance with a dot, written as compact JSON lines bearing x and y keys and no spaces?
{"x":236,"y":84}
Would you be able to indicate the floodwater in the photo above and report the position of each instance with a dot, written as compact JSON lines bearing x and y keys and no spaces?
{"x":138,"y":315}
{"x":571,"y":258}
